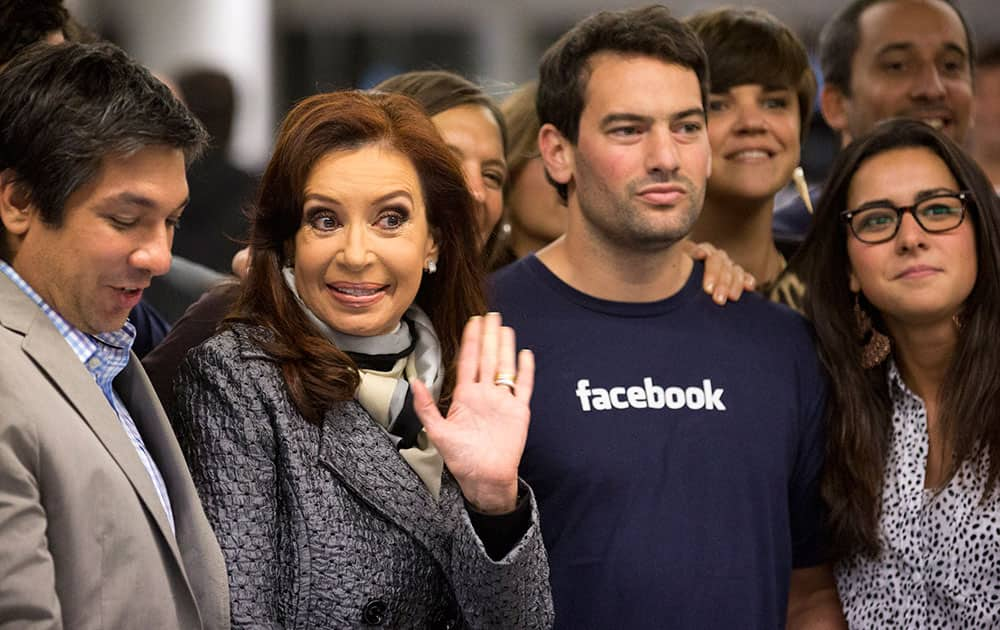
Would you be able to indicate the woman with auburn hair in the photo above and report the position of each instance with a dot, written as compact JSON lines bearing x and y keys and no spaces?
{"x":312,"y":423}
{"x":903,"y":270}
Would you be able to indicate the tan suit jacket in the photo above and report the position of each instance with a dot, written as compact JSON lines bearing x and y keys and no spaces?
{"x":84,"y":540}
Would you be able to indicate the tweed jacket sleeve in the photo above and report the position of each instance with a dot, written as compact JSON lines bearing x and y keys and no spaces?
{"x":222,"y":426}
{"x":512,"y":592}
{"x":326,"y":526}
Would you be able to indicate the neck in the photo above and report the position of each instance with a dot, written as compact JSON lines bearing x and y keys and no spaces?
{"x":742,"y":228}
{"x":923,"y":354}
{"x":522,"y":243}
{"x":592,"y":265}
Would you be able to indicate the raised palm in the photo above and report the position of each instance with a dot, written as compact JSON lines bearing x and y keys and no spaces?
{"x":483,"y":435}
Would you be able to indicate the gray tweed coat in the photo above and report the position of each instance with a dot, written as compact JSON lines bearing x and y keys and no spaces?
{"x":327,"y":526}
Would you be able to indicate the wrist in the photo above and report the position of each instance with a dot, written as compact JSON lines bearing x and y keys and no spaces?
{"x":500,"y":498}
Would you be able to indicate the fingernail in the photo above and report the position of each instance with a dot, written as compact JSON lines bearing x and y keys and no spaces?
{"x":710,"y":286}
{"x":720,"y":298}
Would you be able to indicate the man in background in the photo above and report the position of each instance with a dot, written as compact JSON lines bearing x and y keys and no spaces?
{"x":886,"y":59}
{"x":219,"y":189}
{"x":985,"y":143}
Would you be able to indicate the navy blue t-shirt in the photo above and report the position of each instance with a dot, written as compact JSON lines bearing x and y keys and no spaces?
{"x":675,"y":449}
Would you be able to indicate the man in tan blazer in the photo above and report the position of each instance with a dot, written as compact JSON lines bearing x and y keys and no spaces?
{"x":100,"y":525}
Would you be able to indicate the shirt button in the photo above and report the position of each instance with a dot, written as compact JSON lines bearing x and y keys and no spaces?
{"x":374,"y":613}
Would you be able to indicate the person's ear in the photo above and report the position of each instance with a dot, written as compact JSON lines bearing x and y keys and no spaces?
{"x":431,"y":250}
{"x":557,"y":154}
{"x":16,"y":210}
{"x":833,"y":106}
{"x":852,"y":280}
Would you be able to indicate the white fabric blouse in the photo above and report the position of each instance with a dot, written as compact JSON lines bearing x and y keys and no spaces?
{"x":940,"y":560}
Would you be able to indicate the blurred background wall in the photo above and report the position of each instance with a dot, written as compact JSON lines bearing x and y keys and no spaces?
{"x":278,"y":51}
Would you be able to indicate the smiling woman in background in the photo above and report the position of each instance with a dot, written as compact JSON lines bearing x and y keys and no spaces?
{"x":760,"y":102}
{"x":339,"y":494}
{"x":903,"y":270}
{"x":474,"y":130}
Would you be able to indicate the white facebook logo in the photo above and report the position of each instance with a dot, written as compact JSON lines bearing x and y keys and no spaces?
{"x":650,"y":396}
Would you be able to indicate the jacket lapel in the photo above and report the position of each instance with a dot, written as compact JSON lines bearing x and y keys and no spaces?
{"x":47,"y":348}
{"x":139,"y":398}
{"x":364,"y":458}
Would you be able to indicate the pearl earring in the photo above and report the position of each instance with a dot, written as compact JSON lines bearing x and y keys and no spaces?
{"x":432,"y":266}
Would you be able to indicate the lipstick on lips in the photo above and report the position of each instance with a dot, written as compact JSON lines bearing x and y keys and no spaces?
{"x":357,"y":294}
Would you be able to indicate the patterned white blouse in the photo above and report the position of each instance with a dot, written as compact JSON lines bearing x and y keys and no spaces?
{"x":940,"y":561}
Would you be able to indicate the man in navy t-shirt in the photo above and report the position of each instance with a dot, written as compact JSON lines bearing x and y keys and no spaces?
{"x":675,"y":446}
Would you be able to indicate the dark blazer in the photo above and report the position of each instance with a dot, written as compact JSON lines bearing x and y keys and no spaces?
{"x":327,"y":526}
{"x":84,"y":540}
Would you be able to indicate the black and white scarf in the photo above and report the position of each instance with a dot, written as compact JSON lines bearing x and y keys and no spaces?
{"x":386,"y":363}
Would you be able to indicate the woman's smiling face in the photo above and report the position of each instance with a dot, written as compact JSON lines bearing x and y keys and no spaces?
{"x":473,"y":134}
{"x":364,"y":241}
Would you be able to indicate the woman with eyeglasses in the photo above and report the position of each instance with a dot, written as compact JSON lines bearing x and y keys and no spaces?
{"x":903,"y":270}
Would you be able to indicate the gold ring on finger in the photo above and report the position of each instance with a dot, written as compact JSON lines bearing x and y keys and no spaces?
{"x":507,"y":380}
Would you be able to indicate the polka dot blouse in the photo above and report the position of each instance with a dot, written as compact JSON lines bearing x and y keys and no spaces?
{"x":940,"y":561}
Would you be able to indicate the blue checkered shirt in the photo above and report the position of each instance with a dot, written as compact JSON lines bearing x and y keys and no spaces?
{"x":105,"y":356}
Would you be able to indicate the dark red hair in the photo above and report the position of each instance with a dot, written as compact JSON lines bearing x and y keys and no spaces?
{"x":316,"y":372}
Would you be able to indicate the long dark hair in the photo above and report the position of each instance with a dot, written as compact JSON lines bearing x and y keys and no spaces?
{"x":315,"y":371}
{"x":860,"y":410}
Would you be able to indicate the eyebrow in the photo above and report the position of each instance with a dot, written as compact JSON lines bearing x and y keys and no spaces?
{"x":687,"y":113}
{"x":625,"y":117}
{"x":765,"y":89}
{"x":495,"y":162}
{"x":920,"y":196}
{"x":646,"y":120}
{"x":907,"y":46}
{"x":133,"y":199}
{"x":378,"y":200}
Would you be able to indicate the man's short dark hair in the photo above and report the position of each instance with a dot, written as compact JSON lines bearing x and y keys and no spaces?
{"x":840,"y":38}
{"x":66,"y":107}
{"x":24,"y":22}
{"x":564,"y":71}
